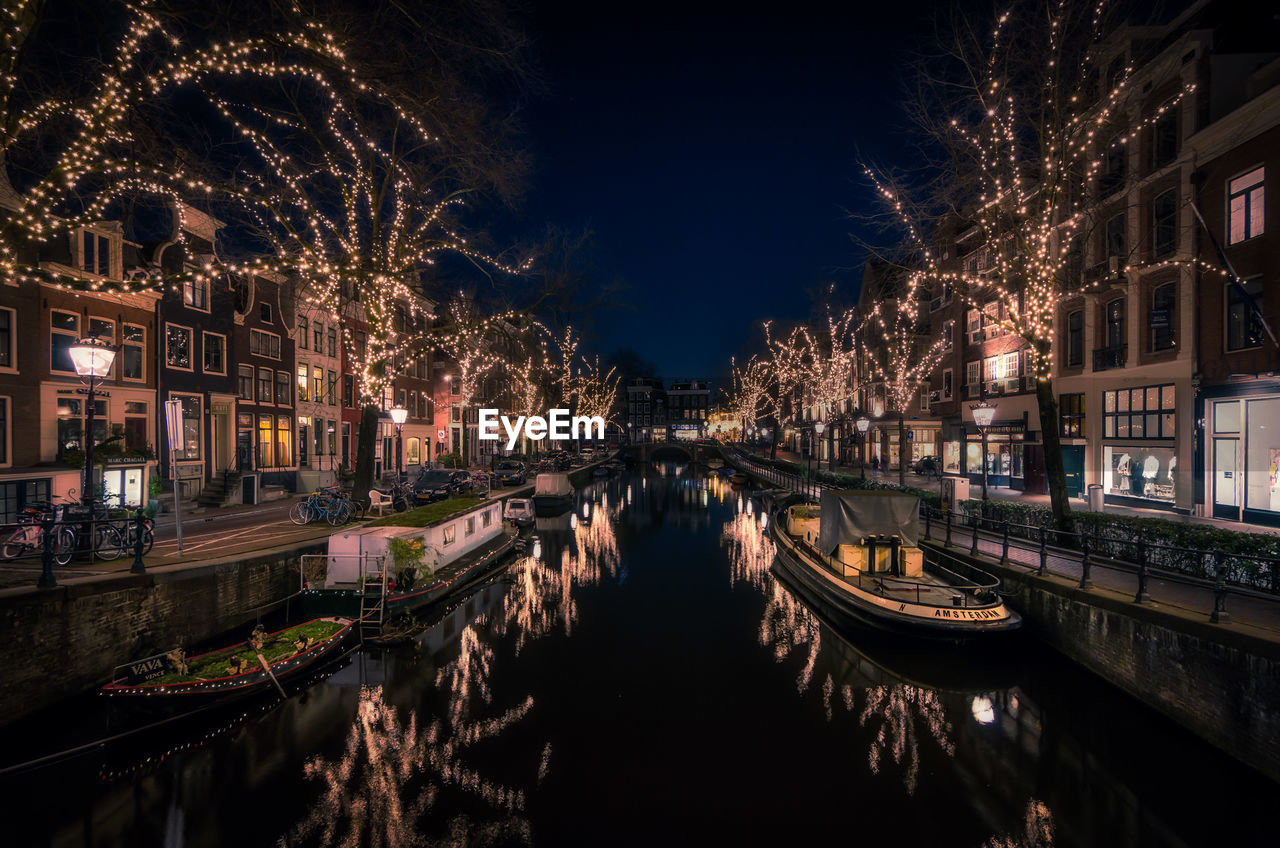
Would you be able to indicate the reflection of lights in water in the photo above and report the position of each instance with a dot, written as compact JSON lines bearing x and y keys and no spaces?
{"x":750,"y":551}
{"x":573,"y":521}
{"x":537,"y":548}
{"x":390,"y":775}
{"x":704,"y":497}
{"x":750,"y":506}
{"x":983,"y":711}
{"x":586,"y":510}
{"x":900,"y":708}
{"x":1037,"y":830}
{"x":628,"y":496}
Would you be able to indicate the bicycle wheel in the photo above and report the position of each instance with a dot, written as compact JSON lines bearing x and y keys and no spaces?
{"x":339,"y":512}
{"x":15,"y":544}
{"x":107,"y":545}
{"x":64,"y":545}
{"x":299,"y":513}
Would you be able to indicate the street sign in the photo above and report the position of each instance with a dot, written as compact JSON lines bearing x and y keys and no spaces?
{"x":440,"y":435}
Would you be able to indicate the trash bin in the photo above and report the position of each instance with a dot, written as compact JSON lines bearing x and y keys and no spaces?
{"x":1095,"y":497}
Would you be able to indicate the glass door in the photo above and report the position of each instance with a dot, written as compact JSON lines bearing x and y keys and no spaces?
{"x":1226,"y":478}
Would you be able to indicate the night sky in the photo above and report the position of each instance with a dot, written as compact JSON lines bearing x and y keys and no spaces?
{"x":714,"y":154}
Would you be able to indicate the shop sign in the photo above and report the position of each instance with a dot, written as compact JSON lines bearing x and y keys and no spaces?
{"x":190,"y":470}
{"x":124,"y":460}
{"x":1160,"y":319}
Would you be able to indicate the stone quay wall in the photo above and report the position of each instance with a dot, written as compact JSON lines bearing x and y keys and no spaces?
{"x":1222,"y":682}
{"x":57,"y":643}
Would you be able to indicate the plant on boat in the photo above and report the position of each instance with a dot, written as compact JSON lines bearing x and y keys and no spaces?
{"x":406,"y":557}
{"x":276,"y":646}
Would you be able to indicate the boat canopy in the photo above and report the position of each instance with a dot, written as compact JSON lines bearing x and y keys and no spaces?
{"x":851,"y":515}
{"x":552,"y":486}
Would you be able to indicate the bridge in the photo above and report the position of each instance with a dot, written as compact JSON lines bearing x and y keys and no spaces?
{"x":681,"y":451}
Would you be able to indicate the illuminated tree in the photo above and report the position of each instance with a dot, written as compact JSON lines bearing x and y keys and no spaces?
{"x":748,"y":390}
{"x":786,"y":367}
{"x":829,"y":363}
{"x":468,"y":341}
{"x":1021,"y":120}
{"x":580,"y":381}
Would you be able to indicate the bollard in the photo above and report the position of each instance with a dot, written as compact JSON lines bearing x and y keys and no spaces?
{"x":948,"y":528}
{"x":1220,"y":615}
{"x":1143,"y":596}
{"x":1044,"y":553}
{"x":47,"y":580}
{"x":973,"y":549}
{"x":1004,"y":548}
{"x":1086,"y":580}
{"x":928,"y":514}
{"x":139,"y":530}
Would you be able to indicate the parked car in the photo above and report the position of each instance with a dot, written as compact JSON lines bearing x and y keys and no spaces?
{"x":928,"y":466}
{"x":432,"y":486}
{"x":510,"y":473}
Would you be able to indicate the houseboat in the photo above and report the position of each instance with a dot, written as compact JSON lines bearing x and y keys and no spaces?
{"x":856,"y":556}
{"x":552,"y":494}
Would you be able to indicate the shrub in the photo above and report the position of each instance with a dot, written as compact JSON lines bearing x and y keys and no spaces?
{"x":449,"y":460}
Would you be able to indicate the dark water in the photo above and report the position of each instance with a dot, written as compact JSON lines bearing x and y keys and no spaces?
{"x":644,"y":679}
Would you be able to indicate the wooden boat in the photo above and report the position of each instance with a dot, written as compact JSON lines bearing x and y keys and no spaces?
{"x":261,"y":662}
{"x":856,"y":558}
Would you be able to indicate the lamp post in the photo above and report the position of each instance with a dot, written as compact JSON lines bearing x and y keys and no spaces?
{"x":818,"y":427}
{"x":398,"y":416}
{"x":862,"y":424}
{"x":983,"y":413}
{"x":92,"y":359}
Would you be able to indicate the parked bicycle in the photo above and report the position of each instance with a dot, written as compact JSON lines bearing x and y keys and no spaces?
{"x":330,"y":505}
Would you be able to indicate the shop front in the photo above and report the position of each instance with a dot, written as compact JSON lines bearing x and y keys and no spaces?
{"x":1243,"y":455}
{"x":1139,"y":451}
{"x":124,"y":482}
{"x":1005,"y":458}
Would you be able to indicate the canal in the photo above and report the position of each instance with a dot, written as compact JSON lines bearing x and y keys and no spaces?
{"x":641,"y":677}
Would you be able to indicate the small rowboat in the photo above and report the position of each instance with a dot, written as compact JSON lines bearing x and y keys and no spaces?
{"x":257,"y":664}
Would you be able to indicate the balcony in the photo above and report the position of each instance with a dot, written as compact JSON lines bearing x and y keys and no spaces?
{"x":1110,"y":357}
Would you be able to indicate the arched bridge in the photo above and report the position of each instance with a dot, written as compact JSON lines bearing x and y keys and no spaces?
{"x":686,"y":451}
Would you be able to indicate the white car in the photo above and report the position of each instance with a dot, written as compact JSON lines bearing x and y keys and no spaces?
{"x":518,"y":511}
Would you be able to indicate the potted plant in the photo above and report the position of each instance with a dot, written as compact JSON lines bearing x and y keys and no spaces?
{"x":406,"y":559}
{"x":154,"y":488}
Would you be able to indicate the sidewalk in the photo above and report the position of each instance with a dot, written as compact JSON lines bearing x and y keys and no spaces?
{"x":1004,"y":493}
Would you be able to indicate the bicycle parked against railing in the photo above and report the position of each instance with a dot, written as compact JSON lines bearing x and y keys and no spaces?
{"x":28,"y":536}
{"x":330,"y":504}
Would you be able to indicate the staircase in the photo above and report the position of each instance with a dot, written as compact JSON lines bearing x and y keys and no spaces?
{"x":373,"y":596}
{"x":219,"y":490}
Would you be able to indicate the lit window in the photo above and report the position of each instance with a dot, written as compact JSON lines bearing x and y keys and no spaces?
{"x":1245,"y":196}
{"x":177,"y":347}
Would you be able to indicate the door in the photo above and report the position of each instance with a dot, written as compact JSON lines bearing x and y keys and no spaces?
{"x":1073,"y":469}
{"x":1226,"y":478}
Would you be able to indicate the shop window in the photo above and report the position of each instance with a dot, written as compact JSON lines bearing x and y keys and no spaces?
{"x":413,"y":452}
{"x":1071,"y":414}
{"x":1164,"y":221}
{"x":1139,"y":472}
{"x":1244,"y":328}
{"x":133,"y":352}
{"x":1163,"y":304}
{"x":1226,"y":416}
{"x":215,"y":350}
{"x":64,"y":331}
{"x":16,"y":495}
{"x":1141,"y":413}
{"x":177,"y":347}
{"x":1245,"y":205}
{"x":1262,"y":464}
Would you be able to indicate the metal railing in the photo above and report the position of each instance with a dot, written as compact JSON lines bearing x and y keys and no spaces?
{"x":59,"y":541}
{"x":1035,"y":546}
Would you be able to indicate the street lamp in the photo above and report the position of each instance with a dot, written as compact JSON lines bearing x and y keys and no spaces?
{"x":818,"y":427}
{"x":92,"y":359}
{"x":862,"y":424}
{"x":398,"y":416}
{"x":983,"y":413}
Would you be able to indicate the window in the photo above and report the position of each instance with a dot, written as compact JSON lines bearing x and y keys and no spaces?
{"x":361,"y":341}
{"x":215,"y":346}
{"x":318,"y":338}
{"x":1164,"y":135}
{"x":1142,"y":413}
{"x":177,"y":347}
{"x":1075,"y":339}
{"x":1115,"y":161}
{"x":1115,"y":237}
{"x":924,"y":398}
{"x":95,"y":253}
{"x":1009,"y":366}
{"x":302,"y":332}
{"x":947,"y":387}
{"x":133,"y":352}
{"x":265,"y":453}
{"x":348,"y":390}
{"x":317,"y":384}
{"x":264,"y":385}
{"x":486,"y":518}
{"x":246,"y":382}
{"x":135,"y":423}
{"x":1164,"y":219}
{"x":1115,"y":323}
{"x":4,"y":431}
{"x":457,"y":414}
{"x":450,"y":533}
{"x":331,"y":395}
{"x":455,"y":388}
{"x":948,"y":334}
{"x":1245,"y":198}
{"x":8,"y":322}
{"x":284,"y":437}
{"x":190,"y":427}
{"x":264,"y":344}
{"x":195,"y":294}
{"x":64,"y":330}
{"x":1244,"y":329}
{"x":991,"y":369}
{"x":413,"y":404}
{"x":332,"y":334}
{"x":264,"y":312}
{"x":1071,"y":414}
{"x":283,"y":395}
{"x":973,"y":373}
{"x":1163,"y":303}
{"x":470,"y":526}
{"x":302,"y":384}
{"x":973,"y":325}
{"x":413,"y":452}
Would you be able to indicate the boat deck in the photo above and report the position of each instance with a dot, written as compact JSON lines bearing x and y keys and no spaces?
{"x":925,"y":589}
